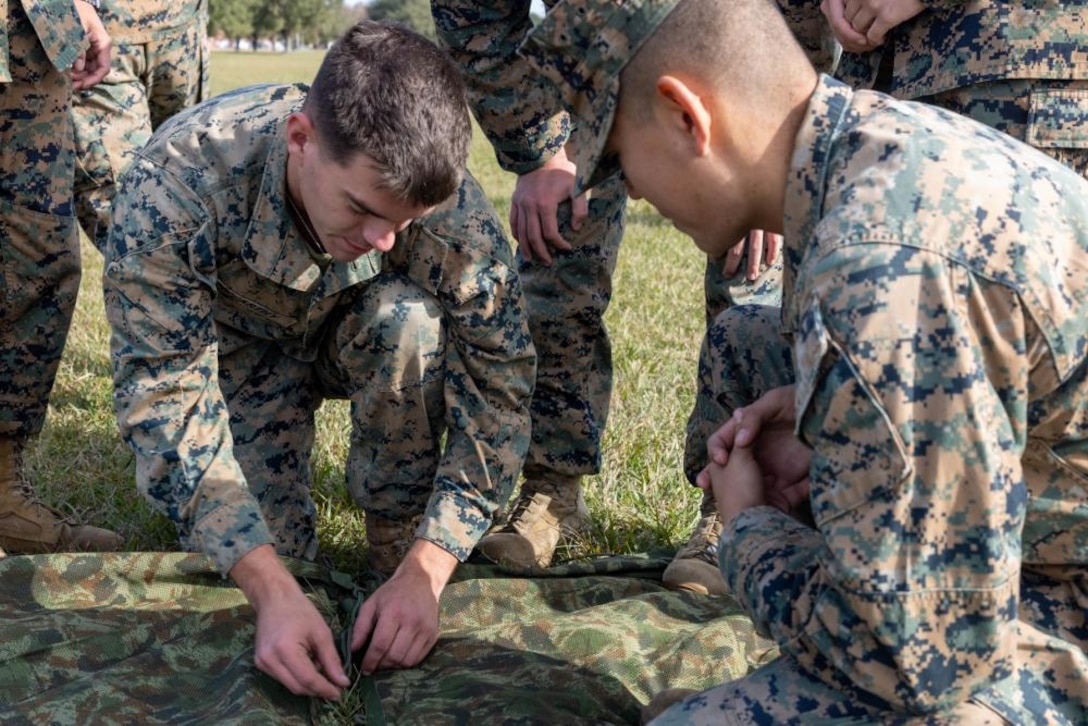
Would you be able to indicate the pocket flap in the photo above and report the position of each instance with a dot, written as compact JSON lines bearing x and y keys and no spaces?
{"x":1059,"y":119}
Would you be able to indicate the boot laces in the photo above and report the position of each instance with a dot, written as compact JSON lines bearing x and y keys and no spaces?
{"x":521,"y":512}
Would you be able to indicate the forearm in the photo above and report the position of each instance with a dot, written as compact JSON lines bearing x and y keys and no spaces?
{"x":176,"y":423}
{"x":430,"y":561}
{"x":263,"y":578}
{"x":487,"y":439}
{"x":518,"y":111}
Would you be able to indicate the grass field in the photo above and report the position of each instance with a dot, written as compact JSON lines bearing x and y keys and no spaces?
{"x":639,"y":500}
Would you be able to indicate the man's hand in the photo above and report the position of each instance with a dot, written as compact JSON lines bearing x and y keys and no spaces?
{"x":762,"y":247}
{"x":400,"y":620}
{"x":738,"y":485}
{"x":537,"y":196}
{"x":766,"y":428}
{"x":862,"y":25}
{"x":293,"y":644}
{"x":93,"y":63}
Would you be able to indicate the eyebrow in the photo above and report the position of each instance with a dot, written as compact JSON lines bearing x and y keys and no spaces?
{"x":364,"y":207}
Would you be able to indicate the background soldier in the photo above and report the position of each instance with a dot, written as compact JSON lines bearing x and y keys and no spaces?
{"x":567,"y":247}
{"x":48,"y":48}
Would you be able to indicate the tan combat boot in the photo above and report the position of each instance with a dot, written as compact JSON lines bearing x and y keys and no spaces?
{"x":29,"y":527}
{"x":546,"y":510}
{"x":695,"y":566}
{"x":388,"y":541}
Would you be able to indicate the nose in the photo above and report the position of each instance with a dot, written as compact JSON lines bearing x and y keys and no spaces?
{"x":380,"y":235}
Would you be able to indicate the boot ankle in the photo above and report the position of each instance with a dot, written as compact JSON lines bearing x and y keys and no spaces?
{"x":27,"y":526}
{"x":695,"y":566}
{"x":388,"y":541}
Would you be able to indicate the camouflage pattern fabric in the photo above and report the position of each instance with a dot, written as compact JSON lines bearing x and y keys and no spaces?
{"x":39,"y":247}
{"x":228,"y":332}
{"x":55,"y":25}
{"x":1020,"y":67}
{"x":1052,"y":116}
{"x":939,"y":328}
{"x":169,"y":641}
{"x":158,"y":66}
{"x":519,"y":113}
{"x":953,"y":43}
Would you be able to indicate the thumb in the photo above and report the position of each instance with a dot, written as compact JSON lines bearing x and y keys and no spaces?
{"x":579,"y":210}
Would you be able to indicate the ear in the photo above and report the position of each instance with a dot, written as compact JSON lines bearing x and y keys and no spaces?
{"x":300,"y":132}
{"x":687,"y":112}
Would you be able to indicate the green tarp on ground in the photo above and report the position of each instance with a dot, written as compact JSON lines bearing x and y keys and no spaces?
{"x":161,"y":638}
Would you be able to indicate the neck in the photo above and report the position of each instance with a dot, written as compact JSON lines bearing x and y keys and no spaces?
{"x":776,"y":134}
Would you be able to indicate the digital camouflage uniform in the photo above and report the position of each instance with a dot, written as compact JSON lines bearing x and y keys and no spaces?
{"x":935,"y":326}
{"x":158,"y":66}
{"x":228,"y":332}
{"x":567,"y":301}
{"x":938,"y":314}
{"x":39,"y":247}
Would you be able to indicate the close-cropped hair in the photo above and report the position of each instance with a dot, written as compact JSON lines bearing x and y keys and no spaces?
{"x":385,"y":91}
{"x":724,"y":43}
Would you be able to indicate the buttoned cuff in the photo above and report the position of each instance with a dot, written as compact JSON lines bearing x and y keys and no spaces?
{"x":230,"y":531}
{"x":453,"y":524}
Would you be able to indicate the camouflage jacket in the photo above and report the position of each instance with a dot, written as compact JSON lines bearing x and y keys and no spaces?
{"x":955,"y":43}
{"x":58,"y":27}
{"x":515,"y":107}
{"x":203,"y":258}
{"x":937,"y":305}
{"x":140,"y":21}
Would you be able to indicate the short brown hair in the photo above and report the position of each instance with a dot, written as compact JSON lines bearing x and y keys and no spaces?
{"x":385,"y":91}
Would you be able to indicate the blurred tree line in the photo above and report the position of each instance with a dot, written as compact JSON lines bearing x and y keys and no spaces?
{"x":296,"y":23}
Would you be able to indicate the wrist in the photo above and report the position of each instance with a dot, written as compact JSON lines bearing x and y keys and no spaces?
{"x":262,"y":577}
{"x":93,"y":3}
{"x":430,"y":561}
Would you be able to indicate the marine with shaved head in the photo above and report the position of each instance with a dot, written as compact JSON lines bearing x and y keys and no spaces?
{"x":899,"y":453}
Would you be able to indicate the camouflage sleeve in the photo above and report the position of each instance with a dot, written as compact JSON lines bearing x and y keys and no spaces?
{"x":159,"y":288}
{"x":811,"y":30}
{"x":461,"y":254}
{"x":58,"y":27}
{"x":909,"y":586}
{"x":517,"y":109}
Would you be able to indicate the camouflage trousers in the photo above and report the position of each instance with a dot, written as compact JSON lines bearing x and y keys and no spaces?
{"x":567,"y":302}
{"x":745,"y":355}
{"x":1050,"y":115}
{"x":39,"y":243}
{"x":386,"y":354}
{"x":149,"y":81}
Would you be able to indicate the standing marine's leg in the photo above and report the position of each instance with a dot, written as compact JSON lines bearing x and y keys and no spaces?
{"x":154,"y":73}
{"x":111,"y":124}
{"x":695,"y":566}
{"x":39,"y":280}
{"x":567,"y":301}
{"x":388,"y":355}
{"x":178,"y":68}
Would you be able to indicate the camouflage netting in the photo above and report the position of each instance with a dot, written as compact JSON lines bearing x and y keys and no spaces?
{"x":161,"y":638}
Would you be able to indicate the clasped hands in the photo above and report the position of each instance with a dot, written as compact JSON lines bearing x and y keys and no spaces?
{"x":861,"y":25}
{"x":755,"y":459}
